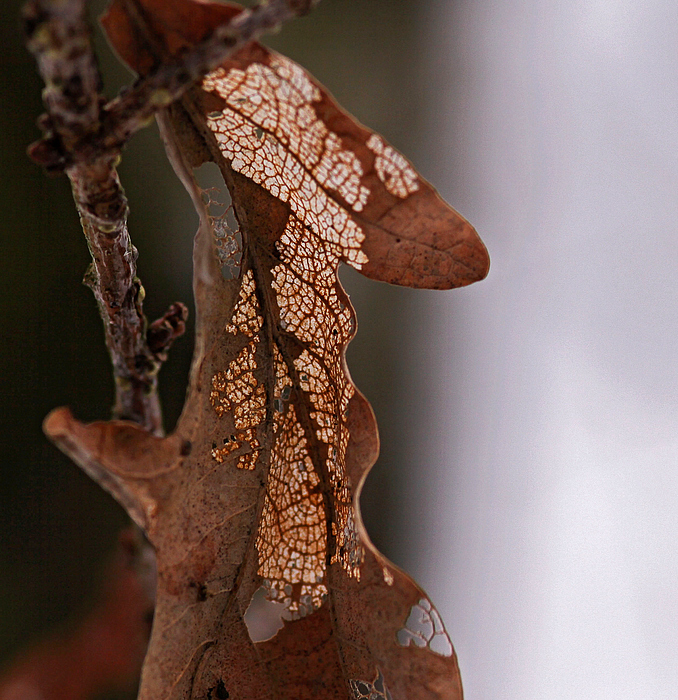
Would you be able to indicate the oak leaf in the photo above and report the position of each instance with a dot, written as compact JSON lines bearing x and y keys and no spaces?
{"x":257,"y":489}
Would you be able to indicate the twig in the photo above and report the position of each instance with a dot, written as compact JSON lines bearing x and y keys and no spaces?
{"x":128,"y":113}
{"x":83,"y":137}
{"x":59,"y":37}
{"x":132,"y":109}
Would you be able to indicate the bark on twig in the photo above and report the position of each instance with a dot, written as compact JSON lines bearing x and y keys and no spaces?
{"x":132,"y":109}
{"x":59,"y":37}
{"x":83,"y":137}
{"x":128,"y":113}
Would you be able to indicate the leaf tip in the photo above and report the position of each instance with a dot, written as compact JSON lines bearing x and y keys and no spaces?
{"x":58,"y":423}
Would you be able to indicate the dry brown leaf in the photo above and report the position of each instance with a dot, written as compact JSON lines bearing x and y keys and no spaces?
{"x":258,"y":486}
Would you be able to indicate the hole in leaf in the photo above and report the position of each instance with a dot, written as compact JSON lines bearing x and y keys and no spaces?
{"x":227,"y":237}
{"x":377,"y":690}
{"x":263,"y":617}
{"x":424,"y":628}
{"x":220,"y":691}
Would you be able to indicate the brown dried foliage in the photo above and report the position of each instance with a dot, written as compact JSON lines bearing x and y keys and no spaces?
{"x":258,"y":486}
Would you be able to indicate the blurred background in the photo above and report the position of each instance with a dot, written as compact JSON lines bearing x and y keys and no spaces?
{"x":529,"y":423}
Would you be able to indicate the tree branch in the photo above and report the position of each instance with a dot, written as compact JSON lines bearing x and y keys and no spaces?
{"x":132,"y":109}
{"x":60,"y":39}
{"x":83,"y":137}
{"x":129,"y":112}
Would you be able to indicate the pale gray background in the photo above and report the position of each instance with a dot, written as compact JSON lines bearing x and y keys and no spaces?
{"x":551,"y":518}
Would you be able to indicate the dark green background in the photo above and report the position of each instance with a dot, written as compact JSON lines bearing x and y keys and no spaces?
{"x":56,"y":527}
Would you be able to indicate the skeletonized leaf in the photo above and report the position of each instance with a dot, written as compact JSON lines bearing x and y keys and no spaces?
{"x":258,"y":487}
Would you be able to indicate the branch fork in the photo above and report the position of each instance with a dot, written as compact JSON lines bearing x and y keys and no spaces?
{"x":83,"y":136}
